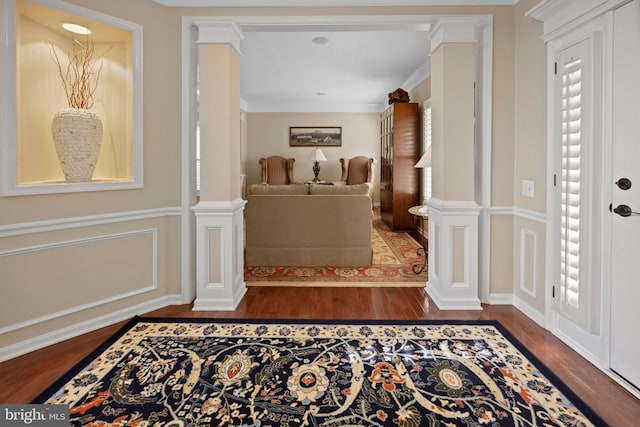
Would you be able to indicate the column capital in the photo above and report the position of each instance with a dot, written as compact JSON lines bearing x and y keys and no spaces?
{"x":212,"y":31}
{"x":456,"y":29}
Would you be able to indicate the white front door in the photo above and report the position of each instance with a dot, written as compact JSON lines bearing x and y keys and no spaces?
{"x":625,"y":238}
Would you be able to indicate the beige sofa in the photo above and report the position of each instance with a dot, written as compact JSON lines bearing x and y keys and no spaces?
{"x":308,"y":225}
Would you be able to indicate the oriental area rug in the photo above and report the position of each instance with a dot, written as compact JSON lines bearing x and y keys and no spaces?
{"x":393,"y":256}
{"x":213,"y":372}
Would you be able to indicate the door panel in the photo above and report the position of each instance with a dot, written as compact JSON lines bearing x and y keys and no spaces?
{"x":625,"y":284}
{"x":574,"y":101}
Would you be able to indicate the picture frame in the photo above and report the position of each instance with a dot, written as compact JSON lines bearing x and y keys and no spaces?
{"x":315,"y":136}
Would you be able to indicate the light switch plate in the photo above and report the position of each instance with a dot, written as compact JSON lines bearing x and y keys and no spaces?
{"x":527,"y":188}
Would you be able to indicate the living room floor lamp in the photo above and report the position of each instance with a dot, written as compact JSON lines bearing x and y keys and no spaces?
{"x":317,"y":156}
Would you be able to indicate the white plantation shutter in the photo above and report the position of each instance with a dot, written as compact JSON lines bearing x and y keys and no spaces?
{"x":198,"y":158}
{"x":573,"y":86}
{"x":426,"y":176}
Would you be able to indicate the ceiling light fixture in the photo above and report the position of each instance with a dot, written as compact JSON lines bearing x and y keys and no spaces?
{"x":321,"y":93}
{"x":320,"y":40}
{"x":76,"y":28}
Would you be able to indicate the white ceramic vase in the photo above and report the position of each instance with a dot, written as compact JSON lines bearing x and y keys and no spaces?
{"x":77,"y":134}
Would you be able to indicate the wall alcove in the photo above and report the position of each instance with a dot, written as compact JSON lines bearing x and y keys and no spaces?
{"x":32,"y":81}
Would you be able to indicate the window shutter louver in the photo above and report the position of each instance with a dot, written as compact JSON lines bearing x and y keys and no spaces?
{"x":572,"y":132}
{"x":426,"y":177}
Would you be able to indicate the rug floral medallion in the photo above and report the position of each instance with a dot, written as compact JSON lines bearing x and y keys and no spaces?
{"x":186,"y":372}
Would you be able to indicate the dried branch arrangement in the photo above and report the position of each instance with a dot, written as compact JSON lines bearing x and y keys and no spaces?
{"x":81,"y":73}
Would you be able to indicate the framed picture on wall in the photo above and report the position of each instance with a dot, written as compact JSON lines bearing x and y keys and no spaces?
{"x":315,"y":136}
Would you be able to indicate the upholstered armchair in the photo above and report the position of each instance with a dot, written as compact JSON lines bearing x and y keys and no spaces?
{"x":358,"y":170}
{"x":277,"y":170}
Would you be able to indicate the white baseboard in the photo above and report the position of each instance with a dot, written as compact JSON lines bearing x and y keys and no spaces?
{"x":529,"y":311}
{"x":73,"y":331}
{"x":500,"y":299}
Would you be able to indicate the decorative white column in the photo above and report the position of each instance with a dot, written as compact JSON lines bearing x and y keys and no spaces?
{"x":219,"y":255}
{"x":453,"y":212}
{"x":453,"y":255}
{"x":219,"y":214}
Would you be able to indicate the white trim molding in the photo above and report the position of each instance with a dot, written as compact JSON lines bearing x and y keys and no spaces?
{"x":529,"y":311}
{"x":10,"y":147}
{"x":341,"y":3}
{"x":84,"y":221}
{"x":449,"y":289}
{"x":456,"y":29}
{"x":95,"y":303}
{"x":519,"y":212}
{"x":220,"y":255}
{"x":217,"y":31}
{"x":59,"y":335}
{"x":567,"y":23}
{"x":533,"y":258}
{"x":564,"y":16}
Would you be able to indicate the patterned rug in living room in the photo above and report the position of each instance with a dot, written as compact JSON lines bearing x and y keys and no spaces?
{"x":393,"y":256}
{"x":214,"y":372}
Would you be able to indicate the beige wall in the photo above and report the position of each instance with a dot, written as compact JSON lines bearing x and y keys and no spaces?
{"x":529,"y":158}
{"x":530,"y":124}
{"x":420,"y":94}
{"x":219,"y":104}
{"x":453,"y":104}
{"x":501,"y":255}
{"x":268,"y":134}
{"x":517,"y":147}
{"x":122,"y":261}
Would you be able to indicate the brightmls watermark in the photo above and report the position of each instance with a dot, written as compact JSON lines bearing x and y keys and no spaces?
{"x":34,"y":415}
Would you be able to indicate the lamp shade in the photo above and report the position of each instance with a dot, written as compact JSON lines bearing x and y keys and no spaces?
{"x":317,"y":155}
{"x":425,"y":160}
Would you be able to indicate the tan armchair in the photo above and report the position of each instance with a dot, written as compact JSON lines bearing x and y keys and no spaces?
{"x":358,"y":170}
{"x":277,"y":170}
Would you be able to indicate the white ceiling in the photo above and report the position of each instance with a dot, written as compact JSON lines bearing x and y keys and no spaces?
{"x":303,"y":3}
{"x":282,"y":70}
{"x":354,"y":71}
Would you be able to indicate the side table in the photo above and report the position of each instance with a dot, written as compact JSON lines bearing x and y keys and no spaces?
{"x":420,"y":213}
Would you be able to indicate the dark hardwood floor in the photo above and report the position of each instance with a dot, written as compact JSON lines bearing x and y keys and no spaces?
{"x":22,"y":378}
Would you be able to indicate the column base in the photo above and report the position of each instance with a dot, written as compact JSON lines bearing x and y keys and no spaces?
{"x":219,"y":255}
{"x":453,"y":255}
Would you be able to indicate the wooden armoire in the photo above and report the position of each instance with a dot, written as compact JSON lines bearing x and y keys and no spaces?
{"x":399,"y":152}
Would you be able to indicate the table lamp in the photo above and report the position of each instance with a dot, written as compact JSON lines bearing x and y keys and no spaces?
{"x":317,"y":156}
{"x":424,"y":162}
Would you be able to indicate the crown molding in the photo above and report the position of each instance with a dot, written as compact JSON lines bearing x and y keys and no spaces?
{"x":292,"y":107}
{"x":562,"y":16}
{"x":418,"y":76}
{"x":455,"y":29}
{"x":217,"y":31}
{"x":325,"y":3}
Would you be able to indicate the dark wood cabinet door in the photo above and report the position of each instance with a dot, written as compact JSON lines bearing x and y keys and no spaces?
{"x":399,"y":179}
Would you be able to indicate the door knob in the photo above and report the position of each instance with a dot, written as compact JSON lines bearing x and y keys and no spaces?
{"x":624,"y":210}
{"x":624,"y":183}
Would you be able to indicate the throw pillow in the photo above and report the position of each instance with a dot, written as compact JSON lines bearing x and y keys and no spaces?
{"x":358,"y":189}
{"x":278,"y":189}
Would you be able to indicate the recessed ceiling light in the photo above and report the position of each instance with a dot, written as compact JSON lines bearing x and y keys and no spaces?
{"x":75,"y":28}
{"x":320,"y":40}
{"x":321,"y":93}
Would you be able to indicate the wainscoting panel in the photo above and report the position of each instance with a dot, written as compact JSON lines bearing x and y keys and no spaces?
{"x":528,"y":262}
{"x":434,"y":262}
{"x":214,"y":239}
{"x":60,"y":278}
{"x":456,"y":285}
{"x":459,"y":251}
